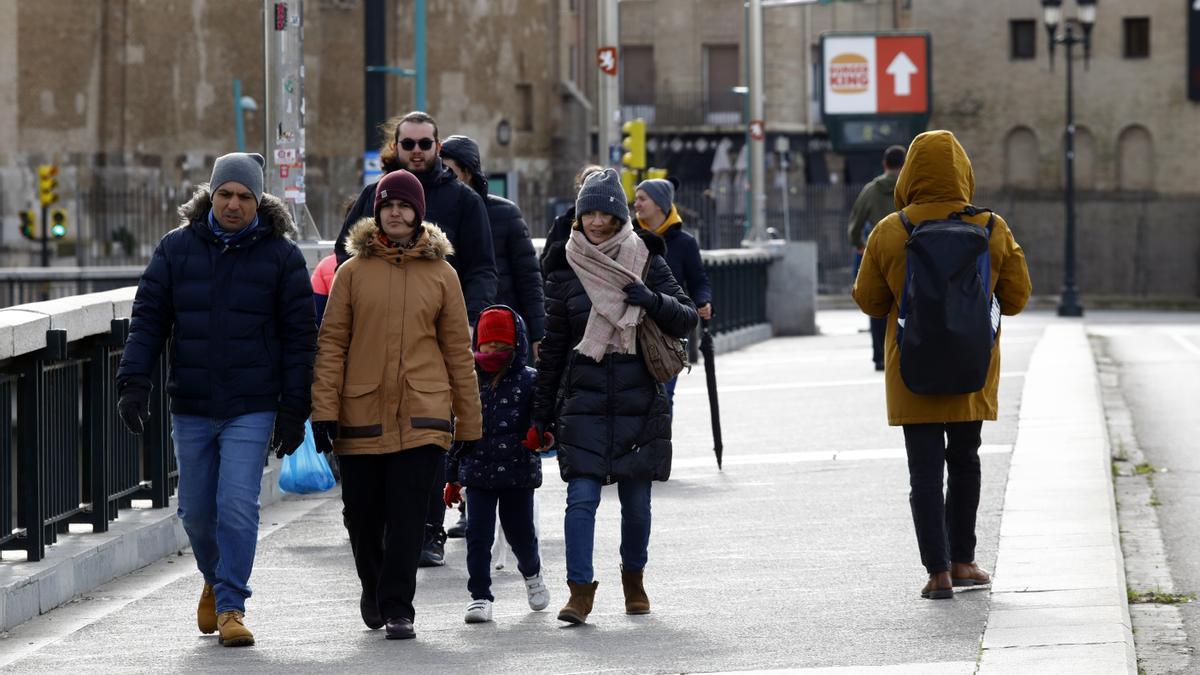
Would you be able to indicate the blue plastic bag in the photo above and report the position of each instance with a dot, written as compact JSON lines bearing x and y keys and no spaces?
{"x":305,"y":471}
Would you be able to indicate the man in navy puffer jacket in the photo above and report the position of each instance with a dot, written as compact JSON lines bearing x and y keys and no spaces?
{"x":230,"y":290}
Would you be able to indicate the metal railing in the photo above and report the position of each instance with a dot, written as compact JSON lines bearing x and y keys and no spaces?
{"x":739,"y":285}
{"x":19,"y":285}
{"x":125,"y":224}
{"x":73,"y":461}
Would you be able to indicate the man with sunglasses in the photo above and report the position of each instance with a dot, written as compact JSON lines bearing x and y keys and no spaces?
{"x":449,"y":204}
{"x":459,"y":211}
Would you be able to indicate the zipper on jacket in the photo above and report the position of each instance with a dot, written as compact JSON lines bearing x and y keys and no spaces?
{"x":608,"y":453}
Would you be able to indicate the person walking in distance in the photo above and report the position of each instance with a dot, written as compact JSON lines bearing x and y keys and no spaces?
{"x":614,"y":422}
{"x":229,"y":290}
{"x":394,"y":386}
{"x":499,"y":472}
{"x":654,"y":202}
{"x":873,"y":204}
{"x":458,"y":211}
{"x":941,"y":430}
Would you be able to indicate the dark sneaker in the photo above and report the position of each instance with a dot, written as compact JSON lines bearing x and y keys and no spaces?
{"x":433,"y":553}
{"x":400,"y":629}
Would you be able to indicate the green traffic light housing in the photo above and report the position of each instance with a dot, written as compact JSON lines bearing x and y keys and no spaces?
{"x":29,"y":224}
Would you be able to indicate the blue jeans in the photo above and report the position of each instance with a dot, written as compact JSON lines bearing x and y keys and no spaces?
{"x":516,"y":517}
{"x":220,"y":472}
{"x":583,"y":498}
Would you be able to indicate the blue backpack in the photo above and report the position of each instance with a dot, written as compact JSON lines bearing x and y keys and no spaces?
{"x":948,"y":319}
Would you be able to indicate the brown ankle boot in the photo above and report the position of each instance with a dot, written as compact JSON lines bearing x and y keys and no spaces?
{"x":939,"y":587}
{"x":969,"y":574}
{"x":233,"y":630}
{"x":636,"y":601}
{"x":206,"y":611}
{"x":580,"y":604}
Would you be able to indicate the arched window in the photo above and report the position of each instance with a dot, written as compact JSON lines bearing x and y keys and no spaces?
{"x":1020,"y":158}
{"x":1135,"y":159}
{"x":1085,"y":159}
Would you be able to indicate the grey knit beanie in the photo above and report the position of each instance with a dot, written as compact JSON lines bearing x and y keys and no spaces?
{"x":661,"y":192}
{"x":243,"y":167}
{"x":602,"y":191}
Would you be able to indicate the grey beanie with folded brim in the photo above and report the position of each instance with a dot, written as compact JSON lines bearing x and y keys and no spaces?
{"x":241,"y":167}
{"x":602,"y":192}
{"x":661,"y":192}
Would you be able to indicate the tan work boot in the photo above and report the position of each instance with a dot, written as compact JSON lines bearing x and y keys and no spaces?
{"x":233,"y":630}
{"x":206,"y":611}
{"x":636,"y":601}
{"x":580,"y":604}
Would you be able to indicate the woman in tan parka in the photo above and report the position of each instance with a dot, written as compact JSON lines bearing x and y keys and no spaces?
{"x":936,"y":181}
{"x":394,"y":384}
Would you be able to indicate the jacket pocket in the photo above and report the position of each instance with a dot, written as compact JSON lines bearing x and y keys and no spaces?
{"x":429,"y":403}
{"x":360,"y":411}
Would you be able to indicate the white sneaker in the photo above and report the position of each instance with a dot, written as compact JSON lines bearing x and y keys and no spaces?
{"x":539,"y":595}
{"x":479,"y":611}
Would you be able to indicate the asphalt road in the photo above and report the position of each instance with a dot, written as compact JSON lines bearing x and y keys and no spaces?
{"x":1158,"y":357}
{"x":800,"y":554}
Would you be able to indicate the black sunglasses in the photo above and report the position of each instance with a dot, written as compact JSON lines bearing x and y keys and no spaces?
{"x":409,"y":143}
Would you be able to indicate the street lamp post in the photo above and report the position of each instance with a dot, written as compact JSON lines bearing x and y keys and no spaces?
{"x":1052,"y":16}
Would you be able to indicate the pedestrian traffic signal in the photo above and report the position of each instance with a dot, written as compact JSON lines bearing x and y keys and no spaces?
{"x":634,"y":144}
{"x":48,"y":184}
{"x":58,"y":223}
{"x":29,"y":224}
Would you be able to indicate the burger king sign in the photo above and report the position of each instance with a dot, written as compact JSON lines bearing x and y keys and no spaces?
{"x":875,"y":74}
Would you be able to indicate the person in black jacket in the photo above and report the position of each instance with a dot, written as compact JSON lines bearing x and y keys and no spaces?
{"x":654,"y":202}
{"x":230,"y":290}
{"x":461,"y":215}
{"x":517,"y":268}
{"x":594,"y":392}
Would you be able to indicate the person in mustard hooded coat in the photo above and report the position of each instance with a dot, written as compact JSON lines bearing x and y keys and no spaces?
{"x":394,"y":384}
{"x":939,"y":430}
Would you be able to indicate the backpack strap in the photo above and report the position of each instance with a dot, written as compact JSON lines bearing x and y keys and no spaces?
{"x":908,"y":226}
{"x":972,"y":210}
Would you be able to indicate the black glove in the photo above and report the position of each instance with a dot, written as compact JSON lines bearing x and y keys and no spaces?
{"x":460,"y":448}
{"x":324,"y":434}
{"x":134,"y":404}
{"x":288,"y":433}
{"x":636,"y":293}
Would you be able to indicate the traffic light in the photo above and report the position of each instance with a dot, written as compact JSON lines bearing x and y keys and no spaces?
{"x":629,"y":181}
{"x":48,"y":184}
{"x":634,"y":144}
{"x":58,"y":223}
{"x":29,"y":224}
{"x":653,"y":173}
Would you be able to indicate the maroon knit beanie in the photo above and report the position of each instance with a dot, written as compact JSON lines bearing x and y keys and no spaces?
{"x":404,"y":186}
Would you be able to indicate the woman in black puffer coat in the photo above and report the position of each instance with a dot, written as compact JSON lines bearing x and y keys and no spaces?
{"x":594,"y":393}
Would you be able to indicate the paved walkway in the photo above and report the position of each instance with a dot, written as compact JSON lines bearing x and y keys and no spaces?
{"x":799,"y":555}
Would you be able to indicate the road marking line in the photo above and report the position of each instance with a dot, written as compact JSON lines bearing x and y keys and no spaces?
{"x":1187,"y":344}
{"x":818,"y":456}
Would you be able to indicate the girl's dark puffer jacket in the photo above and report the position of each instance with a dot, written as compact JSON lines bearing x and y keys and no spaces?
{"x":498,"y":461}
{"x":611,"y":419}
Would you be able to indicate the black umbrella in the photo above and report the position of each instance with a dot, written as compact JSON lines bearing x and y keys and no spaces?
{"x":710,"y":377}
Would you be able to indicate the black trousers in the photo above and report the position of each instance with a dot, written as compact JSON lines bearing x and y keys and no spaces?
{"x":878,"y":333}
{"x":945,"y":528}
{"x":385,"y":499}
{"x":436,"y":515}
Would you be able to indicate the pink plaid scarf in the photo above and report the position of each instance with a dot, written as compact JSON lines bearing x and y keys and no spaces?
{"x":604,"y":269}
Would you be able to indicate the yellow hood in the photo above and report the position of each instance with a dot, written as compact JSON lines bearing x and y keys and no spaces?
{"x":936,"y":171}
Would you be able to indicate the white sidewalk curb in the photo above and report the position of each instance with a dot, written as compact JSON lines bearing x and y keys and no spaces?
{"x":1059,"y":601}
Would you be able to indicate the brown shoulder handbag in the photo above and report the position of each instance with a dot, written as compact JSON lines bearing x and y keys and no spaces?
{"x":665,"y":356}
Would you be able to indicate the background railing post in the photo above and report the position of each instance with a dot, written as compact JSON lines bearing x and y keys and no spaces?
{"x":156,"y":442}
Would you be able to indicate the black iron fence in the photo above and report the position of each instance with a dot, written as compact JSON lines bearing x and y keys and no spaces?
{"x":65,"y":457}
{"x":739,"y":284}
{"x":125,"y":224}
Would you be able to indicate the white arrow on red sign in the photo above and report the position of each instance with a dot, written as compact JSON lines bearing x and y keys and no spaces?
{"x":902,"y":69}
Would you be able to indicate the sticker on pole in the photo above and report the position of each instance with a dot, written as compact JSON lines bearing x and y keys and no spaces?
{"x":868,"y":74}
{"x":757,"y":130}
{"x":606,"y":58}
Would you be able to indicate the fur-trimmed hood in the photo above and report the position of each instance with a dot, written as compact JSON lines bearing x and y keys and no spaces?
{"x":555,"y":257}
{"x":271,"y":211}
{"x":432,"y":244}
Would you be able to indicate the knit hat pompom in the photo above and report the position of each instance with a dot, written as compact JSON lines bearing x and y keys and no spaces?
{"x":496,"y":325}
{"x":403,"y":186}
{"x":602,"y":192}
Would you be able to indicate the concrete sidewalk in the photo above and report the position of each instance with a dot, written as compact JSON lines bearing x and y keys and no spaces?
{"x":799,"y":555}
